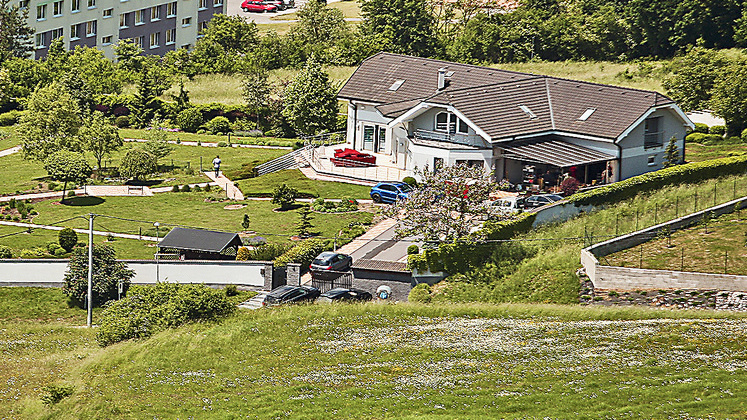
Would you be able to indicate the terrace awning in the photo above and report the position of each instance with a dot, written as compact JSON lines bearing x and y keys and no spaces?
{"x":554,"y":152}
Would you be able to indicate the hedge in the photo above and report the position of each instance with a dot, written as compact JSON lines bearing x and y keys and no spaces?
{"x":11,"y":117}
{"x":303,"y":253}
{"x":690,"y":173}
{"x":461,"y":257}
{"x":707,"y":139}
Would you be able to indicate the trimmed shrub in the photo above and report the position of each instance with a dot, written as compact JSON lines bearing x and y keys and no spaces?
{"x":122,"y":121}
{"x":186,"y":188}
{"x":219,"y":125}
{"x":413,"y":249}
{"x":701,"y":138}
{"x":303,"y":253}
{"x":717,"y":129}
{"x":189,"y":120}
{"x":175,"y":188}
{"x":267,"y":252}
{"x":231,"y":290}
{"x":149,"y":309}
{"x":410,"y":181}
{"x":67,"y":238}
{"x":5,"y":252}
{"x":420,"y":293}
{"x":207,"y":188}
{"x":11,"y":117}
{"x":222,"y":144}
{"x":284,"y":196}
{"x":701,"y":128}
{"x":242,"y":254}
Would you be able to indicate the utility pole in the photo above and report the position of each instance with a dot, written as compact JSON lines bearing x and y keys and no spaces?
{"x":89,"y":298}
{"x":158,"y":274}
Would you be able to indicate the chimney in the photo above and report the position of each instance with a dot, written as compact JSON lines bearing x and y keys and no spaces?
{"x":441,"y":78}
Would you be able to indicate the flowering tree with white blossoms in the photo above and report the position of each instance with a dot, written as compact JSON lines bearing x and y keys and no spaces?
{"x":447,"y":204}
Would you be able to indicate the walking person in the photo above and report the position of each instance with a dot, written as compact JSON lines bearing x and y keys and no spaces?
{"x":216,"y":165}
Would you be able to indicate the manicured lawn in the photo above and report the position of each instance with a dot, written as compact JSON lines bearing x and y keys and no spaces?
{"x":695,"y":152}
{"x":391,"y":361}
{"x":265,"y":184}
{"x":717,"y":247}
{"x":189,"y":209}
{"x":18,"y":174}
{"x":350,"y":9}
{"x":7,"y":138}
{"x":131,"y":133}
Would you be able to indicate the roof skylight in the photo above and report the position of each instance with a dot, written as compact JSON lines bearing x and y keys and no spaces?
{"x":396,"y":85}
{"x":449,"y":73}
{"x":528,"y":111}
{"x":585,"y":116}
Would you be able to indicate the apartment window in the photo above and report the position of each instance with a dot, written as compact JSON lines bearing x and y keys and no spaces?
{"x":23,"y":4}
{"x":653,"y":135}
{"x":56,"y":33}
{"x":139,"y":17}
{"x":203,"y":26}
{"x":139,"y":41}
{"x":40,"y":41}
{"x":57,"y":8}
{"x":187,"y":46}
{"x":123,"y":20}
{"x":75,"y":6}
{"x":217,"y":3}
{"x":91,"y":4}
{"x":155,"y":13}
{"x":186,"y":21}
{"x":155,"y":39}
{"x":74,"y":32}
{"x":171,"y":9}
{"x":107,"y":40}
{"x":108,"y":13}
{"x":91,"y":28}
{"x":203,"y":4}
{"x":170,"y":36}
{"x":41,"y":12}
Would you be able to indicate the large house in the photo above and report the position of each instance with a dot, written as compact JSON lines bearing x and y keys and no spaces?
{"x":158,"y":26}
{"x":420,"y":112}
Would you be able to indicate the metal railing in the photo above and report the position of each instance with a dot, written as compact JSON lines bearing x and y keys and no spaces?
{"x":653,"y":140}
{"x":421,"y":134}
{"x":353,"y":168}
{"x":291,"y":160}
{"x":326,"y":139}
{"x":332,"y":279}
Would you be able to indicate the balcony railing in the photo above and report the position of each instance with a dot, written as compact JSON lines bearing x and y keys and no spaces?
{"x":433,"y":135}
{"x":651,"y":140}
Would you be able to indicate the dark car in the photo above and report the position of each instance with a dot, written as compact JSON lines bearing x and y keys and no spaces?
{"x":291,"y":294}
{"x":541,"y":200}
{"x":331,"y":261}
{"x":341,"y":294}
{"x":389,"y":192}
{"x":258,"y":6}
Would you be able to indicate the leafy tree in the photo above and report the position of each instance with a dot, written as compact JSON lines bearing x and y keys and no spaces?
{"x":284,"y":196}
{"x":225,"y":40}
{"x":671,"y":153}
{"x":137,"y":164}
{"x":729,"y":98}
{"x":67,"y":238}
{"x":15,"y":33}
{"x":51,"y":123}
{"x":693,"y":77}
{"x":129,"y":55}
{"x":318,"y":31}
{"x":257,"y":90}
{"x":66,"y":166}
{"x":304,"y":224}
{"x":157,"y":143}
{"x":25,"y":77}
{"x":189,"y":120}
{"x":310,"y":100}
{"x":153,"y":79}
{"x":99,"y":137}
{"x":447,"y":204}
{"x":107,"y":274}
{"x":407,"y":25}
{"x":245,"y":222}
{"x":182,"y":99}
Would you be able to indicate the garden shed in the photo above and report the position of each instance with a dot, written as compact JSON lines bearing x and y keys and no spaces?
{"x":199,"y":244}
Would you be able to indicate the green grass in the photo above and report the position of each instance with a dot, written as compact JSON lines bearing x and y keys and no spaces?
{"x":392,"y":361}
{"x":350,"y":9}
{"x":695,"y":152}
{"x":715,"y":247}
{"x":265,"y":184}
{"x":19,"y":174}
{"x":189,"y":209}
{"x":131,"y":133}
{"x":39,"y":304}
{"x":7,"y":138}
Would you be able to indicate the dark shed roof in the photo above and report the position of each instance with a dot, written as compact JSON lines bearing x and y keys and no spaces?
{"x":199,"y":240}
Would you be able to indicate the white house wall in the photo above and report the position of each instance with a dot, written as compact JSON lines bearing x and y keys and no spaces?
{"x":421,"y":156}
{"x":635,"y":158}
{"x":427,"y":121}
{"x":367,"y":115}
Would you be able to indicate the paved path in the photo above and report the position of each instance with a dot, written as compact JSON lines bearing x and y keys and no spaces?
{"x":83,"y":231}
{"x":209,"y":144}
{"x":255,"y":302}
{"x":10,"y":151}
{"x":232,"y":191}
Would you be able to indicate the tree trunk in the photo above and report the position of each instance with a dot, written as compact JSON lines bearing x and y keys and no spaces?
{"x":64,"y":187}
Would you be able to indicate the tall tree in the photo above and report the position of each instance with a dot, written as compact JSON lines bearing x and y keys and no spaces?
{"x":137,"y":164}
{"x":50,"y":124}
{"x":108,"y":273}
{"x":67,"y":167}
{"x":224,"y":43}
{"x":693,"y":77}
{"x":157,"y":143}
{"x":310,"y":100}
{"x":729,"y":98}
{"x":257,"y":91}
{"x":407,"y":25}
{"x":15,"y":33}
{"x":99,"y":137}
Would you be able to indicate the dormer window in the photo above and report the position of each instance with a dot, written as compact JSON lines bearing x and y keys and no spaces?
{"x":450,"y":123}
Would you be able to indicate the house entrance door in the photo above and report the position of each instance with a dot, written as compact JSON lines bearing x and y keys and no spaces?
{"x":369,"y":133}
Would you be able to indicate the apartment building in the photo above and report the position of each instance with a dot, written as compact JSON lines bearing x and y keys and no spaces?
{"x":157,"y":26}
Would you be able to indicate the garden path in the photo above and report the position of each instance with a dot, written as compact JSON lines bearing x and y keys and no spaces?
{"x":6,"y":152}
{"x":81,"y":231}
{"x":232,"y":191}
{"x":208,"y":144}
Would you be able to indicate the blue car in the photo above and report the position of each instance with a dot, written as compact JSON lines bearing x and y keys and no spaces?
{"x":389,"y":192}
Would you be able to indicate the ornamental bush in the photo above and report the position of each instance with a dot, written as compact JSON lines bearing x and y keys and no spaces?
{"x":284,"y":196}
{"x":189,"y":120}
{"x":67,"y":239}
{"x":701,"y":128}
{"x":219,"y":125}
{"x":107,"y":274}
{"x":303,"y":253}
{"x":123,"y":121}
{"x":717,"y":129}
{"x":420,"y":293}
{"x":5,"y":252}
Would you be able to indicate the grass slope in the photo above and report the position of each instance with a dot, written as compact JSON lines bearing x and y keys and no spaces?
{"x":393,"y":361}
{"x":265,"y":184}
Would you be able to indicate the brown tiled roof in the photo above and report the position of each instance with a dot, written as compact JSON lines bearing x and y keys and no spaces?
{"x":491,"y":98}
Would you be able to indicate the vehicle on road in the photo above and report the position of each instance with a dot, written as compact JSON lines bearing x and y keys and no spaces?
{"x":540,"y":200}
{"x":290,"y":294}
{"x":331,"y":261}
{"x":258,"y":6}
{"x":341,"y":294}
{"x":389,"y":192}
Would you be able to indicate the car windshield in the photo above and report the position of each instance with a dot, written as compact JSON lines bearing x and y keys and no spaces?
{"x":405,"y":187}
{"x":320,"y":261}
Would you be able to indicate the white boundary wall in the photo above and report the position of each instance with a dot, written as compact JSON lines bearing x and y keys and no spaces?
{"x":50,"y":273}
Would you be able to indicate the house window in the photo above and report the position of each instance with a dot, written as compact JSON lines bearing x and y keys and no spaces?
{"x":652,"y":160}
{"x":108,"y":13}
{"x":171,"y":9}
{"x":653,"y":135}
{"x":75,"y":7}
{"x":41,"y":12}
{"x":57,"y":8}
{"x":446,"y":121}
{"x":139,"y":17}
{"x":107,"y":40}
{"x":40,"y":41}
{"x":381,"y":137}
{"x":74,"y":32}
{"x":123,"y":20}
{"x":91,"y":28}
{"x":442,"y":121}
{"x":170,"y":36}
{"x":186,"y":21}
{"x":56,"y":33}
{"x":155,"y":39}
{"x":203,"y":4}
{"x":471,"y":163}
{"x":91,"y":4}
{"x":155,"y":13}
{"x":369,"y":131}
{"x":187,"y":46}
{"x":462,"y":127}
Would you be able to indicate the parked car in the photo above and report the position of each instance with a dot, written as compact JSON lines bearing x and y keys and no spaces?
{"x":290,"y":294}
{"x":258,"y":6}
{"x":279,"y":3}
{"x":341,"y":294}
{"x":331,"y":261}
{"x":389,"y":192}
{"x":350,"y":157}
{"x":541,"y":200}
{"x":505,"y":206}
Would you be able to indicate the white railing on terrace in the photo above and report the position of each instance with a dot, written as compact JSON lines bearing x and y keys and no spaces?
{"x":420,"y":134}
{"x":358,"y":170}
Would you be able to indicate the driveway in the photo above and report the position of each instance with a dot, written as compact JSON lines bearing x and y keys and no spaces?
{"x":384,"y":247}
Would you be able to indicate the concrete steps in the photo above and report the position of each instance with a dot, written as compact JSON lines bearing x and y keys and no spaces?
{"x":255,"y":302}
